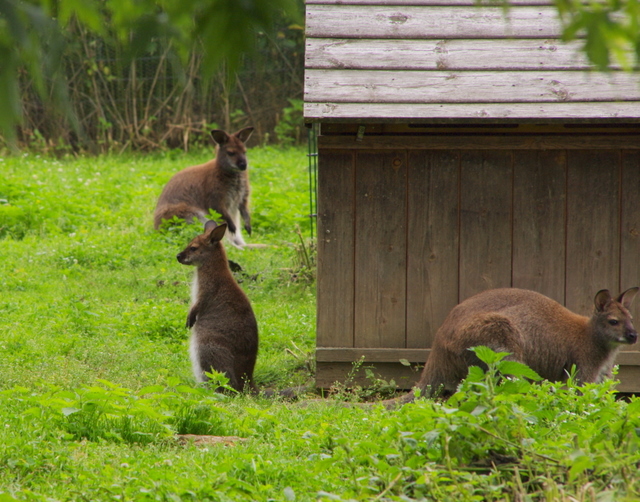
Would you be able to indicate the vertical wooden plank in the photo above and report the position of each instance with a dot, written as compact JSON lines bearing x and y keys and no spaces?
{"x":432,"y":258}
{"x":485,"y":221}
{"x":380,"y":249}
{"x":630,"y":229}
{"x":593,"y":225}
{"x":335,"y":283}
{"x":539,"y":202}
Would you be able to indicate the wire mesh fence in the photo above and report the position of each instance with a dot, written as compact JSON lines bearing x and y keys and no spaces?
{"x":158,"y":101}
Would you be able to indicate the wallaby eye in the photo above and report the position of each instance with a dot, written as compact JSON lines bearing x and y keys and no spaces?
{"x":231,"y":153}
{"x":193,"y":248}
{"x":613,"y":322}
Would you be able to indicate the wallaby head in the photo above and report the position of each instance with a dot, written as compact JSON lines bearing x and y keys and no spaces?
{"x":231,"y":152}
{"x":204,"y":246}
{"x":612,"y":323}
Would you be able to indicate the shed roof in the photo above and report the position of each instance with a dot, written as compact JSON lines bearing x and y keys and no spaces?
{"x":443,"y":60}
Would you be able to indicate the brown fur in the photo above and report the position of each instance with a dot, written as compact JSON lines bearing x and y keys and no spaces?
{"x":222,"y":184}
{"x":535,"y":330}
{"x":224,"y":331}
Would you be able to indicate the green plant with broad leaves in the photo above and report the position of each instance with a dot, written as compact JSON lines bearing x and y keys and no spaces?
{"x":97,"y":391}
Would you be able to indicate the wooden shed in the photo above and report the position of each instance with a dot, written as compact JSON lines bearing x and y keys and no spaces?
{"x":461,"y":148}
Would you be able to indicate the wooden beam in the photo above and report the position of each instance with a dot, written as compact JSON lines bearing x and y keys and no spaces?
{"x":485,"y":142}
{"x":330,"y":111}
{"x":443,"y":3}
{"x":445,"y":87}
{"x":452,"y":55}
{"x":396,"y":21}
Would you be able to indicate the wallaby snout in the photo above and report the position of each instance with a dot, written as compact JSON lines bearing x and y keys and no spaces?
{"x":182,"y":258}
{"x":242,"y":164}
{"x":631,"y":337}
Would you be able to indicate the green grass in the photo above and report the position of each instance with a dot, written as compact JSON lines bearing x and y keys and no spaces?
{"x":96,"y":379}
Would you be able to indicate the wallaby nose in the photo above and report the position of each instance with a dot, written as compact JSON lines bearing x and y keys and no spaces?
{"x":180,"y":257}
{"x":242,"y":164}
{"x":631,"y":336}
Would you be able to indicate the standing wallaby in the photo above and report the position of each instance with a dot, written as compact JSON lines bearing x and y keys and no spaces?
{"x":224,"y":331}
{"x":535,"y":330}
{"x":222,"y":184}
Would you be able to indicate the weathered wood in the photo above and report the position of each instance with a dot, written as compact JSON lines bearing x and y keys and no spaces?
{"x":373,"y":21}
{"x":477,"y":142}
{"x":444,"y":3}
{"x":335,"y":282}
{"x":380,"y":249}
{"x":593,"y":225}
{"x":488,"y":142}
{"x":406,"y":377}
{"x":539,"y":183}
{"x":328,"y":373}
{"x":331,"y":371}
{"x":452,"y":55}
{"x":485,"y":221}
{"x":382,"y":86}
{"x":630,"y":228}
{"x":629,"y":377}
{"x":375,"y":355}
{"x":432,"y":254}
{"x":330,"y":111}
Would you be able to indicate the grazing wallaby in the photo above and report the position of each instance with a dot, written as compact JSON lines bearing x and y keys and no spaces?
{"x":222,"y":184}
{"x":535,"y":330}
{"x":224,"y":331}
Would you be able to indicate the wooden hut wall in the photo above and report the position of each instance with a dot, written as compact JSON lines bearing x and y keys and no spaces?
{"x":407,"y":231}
{"x":413,"y":219}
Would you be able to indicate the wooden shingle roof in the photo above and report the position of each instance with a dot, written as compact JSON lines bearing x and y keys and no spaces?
{"x":407,"y":60}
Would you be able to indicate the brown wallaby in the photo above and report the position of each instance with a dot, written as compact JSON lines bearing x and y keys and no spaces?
{"x":535,"y":330}
{"x":222,"y":184}
{"x":224,"y":331}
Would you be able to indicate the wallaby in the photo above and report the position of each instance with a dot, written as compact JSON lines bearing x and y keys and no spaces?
{"x":224,"y":331}
{"x":535,"y":330}
{"x":222,"y":184}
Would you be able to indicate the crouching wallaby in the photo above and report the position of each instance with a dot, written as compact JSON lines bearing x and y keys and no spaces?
{"x":535,"y":330}
{"x":224,"y":331}
{"x":222,"y":184}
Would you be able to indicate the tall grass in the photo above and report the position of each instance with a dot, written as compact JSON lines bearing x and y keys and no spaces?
{"x":96,"y":386}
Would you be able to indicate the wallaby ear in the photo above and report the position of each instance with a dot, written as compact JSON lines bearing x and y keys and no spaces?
{"x":244,"y":134}
{"x":627,"y":297}
{"x":209,"y":226}
{"x":218,"y":233}
{"x":219,"y":136}
{"x":603,"y":297}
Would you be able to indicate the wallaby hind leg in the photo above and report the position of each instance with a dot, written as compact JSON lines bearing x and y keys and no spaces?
{"x":220,"y":359}
{"x":494,"y":331}
{"x":449,"y":363}
{"x":181,"y":210}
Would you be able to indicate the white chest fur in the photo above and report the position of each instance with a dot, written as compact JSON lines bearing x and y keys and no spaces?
{"x":194,"y":346}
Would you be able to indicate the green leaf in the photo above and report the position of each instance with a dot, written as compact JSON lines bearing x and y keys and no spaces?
{"x":70,"y":411}
{"x":150,"y":389}
{"x":476,"y":374}
{"x":517,"y":369}
{"x":488,"y":356}
{"x":579,"y":465}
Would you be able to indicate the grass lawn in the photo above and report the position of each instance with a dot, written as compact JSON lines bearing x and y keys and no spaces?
{"x":96,"y":381}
